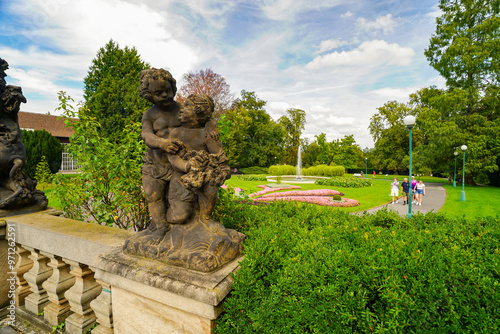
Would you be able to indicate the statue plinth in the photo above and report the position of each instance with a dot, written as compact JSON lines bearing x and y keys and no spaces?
{"x":152,"y":297}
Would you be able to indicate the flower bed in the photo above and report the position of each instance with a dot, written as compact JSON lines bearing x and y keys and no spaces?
{"x":319,"y":196}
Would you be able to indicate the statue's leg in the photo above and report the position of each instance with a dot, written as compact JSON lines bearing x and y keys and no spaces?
{"x":155,"y":190}
{"x":206,"y":199}
{"x":181,"y":201}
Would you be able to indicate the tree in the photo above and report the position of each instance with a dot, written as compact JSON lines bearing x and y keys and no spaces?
{"x":250,"y":136}
{"x":210,"y":83}
{"x":41,"y":143}
{"x":43,"y":174}
{"x":465,"y":48}
{"x":111,"y":89}
{"x":294,"y":123}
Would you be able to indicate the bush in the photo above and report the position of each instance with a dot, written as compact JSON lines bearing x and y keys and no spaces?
{"x":108,"y":188}
{"x":282,"y":170}
{"x":250,"y":177}
{"x":348,"y":182}
{"x":324,"y":170}
{"x":310,"y":269}
{"x":40,"y":143}
{"x":254,"y":170}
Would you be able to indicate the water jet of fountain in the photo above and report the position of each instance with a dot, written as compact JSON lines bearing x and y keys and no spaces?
{"x":299,"y":164}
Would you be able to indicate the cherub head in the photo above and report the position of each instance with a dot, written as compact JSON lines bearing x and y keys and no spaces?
{"x":197,"y":110}
{"x":157,"y":86}
{"x":3,"y":67}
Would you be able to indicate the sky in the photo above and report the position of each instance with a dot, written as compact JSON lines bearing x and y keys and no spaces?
{"x":338,"y":60}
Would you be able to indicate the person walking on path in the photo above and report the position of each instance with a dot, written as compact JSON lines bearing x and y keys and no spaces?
{"x":413,"y":193}
{"x":405,"y":189}
{"x":395,"y":190}
{"x":374,"y":173}
{"x":420,"y":188}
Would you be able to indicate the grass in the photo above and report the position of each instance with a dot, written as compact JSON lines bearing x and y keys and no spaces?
{"x":480,"y":201}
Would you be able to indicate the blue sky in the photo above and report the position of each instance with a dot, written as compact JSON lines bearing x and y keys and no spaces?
{"x":339,"y":60}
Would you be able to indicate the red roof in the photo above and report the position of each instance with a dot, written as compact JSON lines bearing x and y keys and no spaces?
{"x":52,"y":124}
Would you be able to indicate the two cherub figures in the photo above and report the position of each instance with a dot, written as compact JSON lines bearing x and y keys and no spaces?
{"x":183,"y":168}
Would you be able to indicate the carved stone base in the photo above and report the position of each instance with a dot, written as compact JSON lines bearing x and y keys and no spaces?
{"x":198,"y":245}
{"x":26,"y":202}
{"x":152,"y":297}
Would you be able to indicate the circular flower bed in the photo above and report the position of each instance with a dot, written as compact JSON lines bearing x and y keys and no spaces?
{"x":319,"y":197}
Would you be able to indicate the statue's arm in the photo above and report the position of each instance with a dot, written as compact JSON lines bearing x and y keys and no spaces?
{"x":178,"y":163}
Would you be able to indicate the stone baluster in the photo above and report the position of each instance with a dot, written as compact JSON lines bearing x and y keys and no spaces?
{"x":79,"y":297}
{"x":38,"y":299}
{"x":103,"y":310}
{"x":23,"y":264}
{"x":61,"y":280}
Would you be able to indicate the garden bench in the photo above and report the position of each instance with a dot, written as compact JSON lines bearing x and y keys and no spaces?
{"x":357,"y":174}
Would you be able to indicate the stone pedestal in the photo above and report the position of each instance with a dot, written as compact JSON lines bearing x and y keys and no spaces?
{"x":151,"y":297}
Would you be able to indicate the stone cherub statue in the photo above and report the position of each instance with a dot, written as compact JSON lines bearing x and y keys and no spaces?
{"x":17,"y":190}
{"x":183,"y":168}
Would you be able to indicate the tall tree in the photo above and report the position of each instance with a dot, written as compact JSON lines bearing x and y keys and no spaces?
{"x":111,"y":89}
{"x":250,"y":136}
{"x":294,"y":123}
{"x":210,"y":83}
{"x":465,"y":48}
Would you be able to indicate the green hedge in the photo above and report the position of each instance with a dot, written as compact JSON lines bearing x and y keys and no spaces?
{"x":311,"y":269}
{"x":282,"y":170}
{"x":40,"y":143}
{"x":254,"y":170}
{"x":324,"y":170}
{"x":348,"y":182}
{"x":255,"y":177}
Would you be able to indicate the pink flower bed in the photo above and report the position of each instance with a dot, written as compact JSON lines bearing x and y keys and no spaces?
{"x":315,"y":192}
{"x":269,"y":189}
{"x":319,"y":196}
{"x":320,"y":200}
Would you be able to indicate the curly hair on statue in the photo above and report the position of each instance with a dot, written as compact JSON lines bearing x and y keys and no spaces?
{"x":146,"y":76}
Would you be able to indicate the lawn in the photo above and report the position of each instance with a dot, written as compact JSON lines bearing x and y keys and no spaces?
{"x":480,"y":201}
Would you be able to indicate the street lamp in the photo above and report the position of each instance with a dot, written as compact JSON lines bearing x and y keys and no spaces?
{"x":455,"y":173}
{"x":366,"y":166}
{"x":409,"y":122}
{"x":462,"y":195}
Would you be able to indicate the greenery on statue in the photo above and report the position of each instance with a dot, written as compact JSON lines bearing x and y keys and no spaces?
{"x":43,"y":175}
{"x":108,"y":187}
{"x":111,"y":89}
{"x":41,"y":143}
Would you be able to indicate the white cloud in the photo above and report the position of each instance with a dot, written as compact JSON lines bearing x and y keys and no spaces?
{"x":370,"y":54}
{"x":347,"y":14}
{"x":330,"y":45}
{"x":282,"y":10}
{"x":384,"y":23}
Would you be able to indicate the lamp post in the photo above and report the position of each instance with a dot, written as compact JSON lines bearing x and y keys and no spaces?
{"x":455,"y":173}
{"x":409,"y":122}
{"x":366,"y":166}
{"x":462,"y":195}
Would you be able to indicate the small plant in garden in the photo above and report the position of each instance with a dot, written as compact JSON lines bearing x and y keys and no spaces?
{"x":278,"y":179}
{"x":337,"y":197}
{"x":43,"y":175}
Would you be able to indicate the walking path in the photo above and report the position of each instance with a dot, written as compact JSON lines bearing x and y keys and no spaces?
{"x":435,"y":196}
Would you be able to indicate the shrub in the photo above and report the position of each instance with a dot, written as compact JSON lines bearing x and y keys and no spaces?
{"x":347,"y":182}
{"x":324,"y":170}
{"x":254,"y":170}
{"x":43,"y":174}
{"x":40,"y":143}
{"x":108,"y":188}
{"x":282,"y":170}
{"x":250,"y":177}
{"x":337,"y":197}
{"x":308,"y":269}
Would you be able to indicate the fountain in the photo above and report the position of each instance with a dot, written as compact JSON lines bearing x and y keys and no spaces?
{"x":299,"y":165}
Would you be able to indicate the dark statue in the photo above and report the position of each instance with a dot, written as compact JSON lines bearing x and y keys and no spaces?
{"x":17,"y":190}
{"x":183,"y":168}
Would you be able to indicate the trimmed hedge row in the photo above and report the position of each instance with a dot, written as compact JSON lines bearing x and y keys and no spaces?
{"x":310,"y":269}
{"x":348,"y":182}
{"x":319,"y":170}
{"x":254,"y":177}
{"x":254,"y":170}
